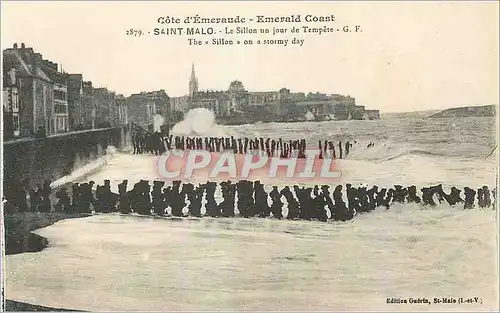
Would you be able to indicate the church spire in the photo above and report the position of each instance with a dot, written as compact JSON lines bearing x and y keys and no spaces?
{"x":193,"y":82}
{"x":193,"y":74}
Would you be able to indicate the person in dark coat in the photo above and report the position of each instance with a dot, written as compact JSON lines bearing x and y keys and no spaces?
{"x":195,"y":197}
{"x":319,"y":205}
{"x":124,"y":201}
{"x":470,"y":195}
{"x":76,"y":198}
{"x":277,"y":205}
{"x":177,"y":199}
{"x":86,"y":197}
{"x":484,"y":197}
{"x":261,"y":206}
{"x":211,"y":207}
{"x":384,"y":198}
{"x":293,"y":204}
{"x":157,"y":196}
{"x":245,"y":198}
{"x":64,"y":203}
{"x":412,"y":196}
{"x":306,"y":202}
{"x":45,"y":195}
{"x":226,"y":207}
{"x":341,"y":213}
{"x":454,"y":196}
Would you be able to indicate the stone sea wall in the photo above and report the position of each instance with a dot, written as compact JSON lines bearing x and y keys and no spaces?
{"x":56,"y":156}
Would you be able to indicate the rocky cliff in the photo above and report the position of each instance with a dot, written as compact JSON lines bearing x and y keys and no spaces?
{"x":485,"y":110}
{"x":413,"y":114}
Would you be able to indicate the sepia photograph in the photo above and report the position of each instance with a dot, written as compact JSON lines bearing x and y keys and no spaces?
{"x":250,"y":156}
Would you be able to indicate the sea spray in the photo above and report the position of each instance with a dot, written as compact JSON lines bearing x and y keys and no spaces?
{"x":309,"y":116}
{"x":82,"y":170}
{"x":198,"y":122}
{"x":158,"y":121}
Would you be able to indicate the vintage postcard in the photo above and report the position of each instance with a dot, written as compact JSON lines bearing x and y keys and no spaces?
{"x":250,"y":156}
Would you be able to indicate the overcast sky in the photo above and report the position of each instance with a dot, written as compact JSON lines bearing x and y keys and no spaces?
{"x":410,"y":56}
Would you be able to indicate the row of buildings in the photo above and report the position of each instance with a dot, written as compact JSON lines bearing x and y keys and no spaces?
{"x":276,"y":105}
{"x":40,"y":99}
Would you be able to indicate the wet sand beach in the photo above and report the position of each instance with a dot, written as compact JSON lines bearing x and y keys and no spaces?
{"x":19,"y":238}
{"x":19,"y":226}
{"x":14,"y":306}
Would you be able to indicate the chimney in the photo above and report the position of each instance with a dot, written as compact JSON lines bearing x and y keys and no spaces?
{"x":22,"y":45}
{"x":37,"y":59}
{"x":15,"y":46}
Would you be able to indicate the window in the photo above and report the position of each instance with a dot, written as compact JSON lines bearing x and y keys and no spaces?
{"x":44,"y":95}
{"x":10,"y":100}
{"x":60,"y":108}
{"x":6,"y":100}
{"x":14,"y":98}
{"x":16,"y":126}
{"x":60,"y":123}
{"x":59,"y":95}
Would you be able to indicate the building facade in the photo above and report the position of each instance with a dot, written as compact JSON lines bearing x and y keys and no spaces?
{"x":10,"y":105}
{"x":142,"y":107}
{"x":60,"y":117}
{"x":161,"y":100}
{"x":180,"y":104}
{"x":215,"y":101}
{"x":75,"y":101}
{"x":281,"y":104}
{"x":222,"y":103}
{"x":34,"y":111}
{"x":104,"y":107}
{"x":88,"y":109}
{"x":122,"y":110}
{"x":39,"y":99}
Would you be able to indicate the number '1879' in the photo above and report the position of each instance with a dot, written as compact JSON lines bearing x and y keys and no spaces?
{"x":134,"y":32}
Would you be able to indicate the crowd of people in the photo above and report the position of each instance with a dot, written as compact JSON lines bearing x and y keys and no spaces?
{"x":148,"y":143}
{"x":156,"y":144}
{"x":244,"y":198}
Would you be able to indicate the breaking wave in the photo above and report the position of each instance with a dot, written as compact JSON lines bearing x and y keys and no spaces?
{"x":386,"y":151}
{"x":198,"y":122}
{"x":158,"y":121}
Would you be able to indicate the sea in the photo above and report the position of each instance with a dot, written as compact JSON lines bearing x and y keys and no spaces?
{"x":377,"y":261}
